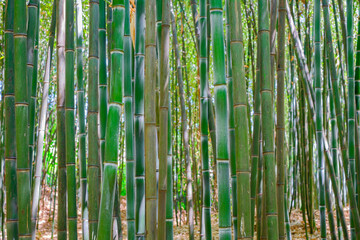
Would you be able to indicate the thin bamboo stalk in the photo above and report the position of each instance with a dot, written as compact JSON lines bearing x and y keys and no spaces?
{"x":93,"y":171}
{"x":81,"y":120}
{"x":204,"y":123}
{"x":163,"y":121}
{"x":139,"y":119}
{"x":31,"y":70}
{"x":36,"y":191}
{"x":129,"y":126}
{"x":61,"y":225}
{"x":280,"y":127}
{"x":103,"y":91}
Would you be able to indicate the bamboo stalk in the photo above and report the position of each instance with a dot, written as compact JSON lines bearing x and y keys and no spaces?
{"x":150,"y":121}
{"x":222,"y":153}
{"x":81,"y":121}
{"x":31,"y":70}
{"x":267,"y":121}
{"x":163,"y":121}
{"x":204,"y":123}
{"x":93,"y":171}
{"x":113,"y":122}
{"x":230,"y":6}
{"x":10,"y":132}
{"x":103,"y":91}
{"x":129,"y":126}
{"x":139,"y":119}
{"x":240,"y":105}
{"x":36,"y":191}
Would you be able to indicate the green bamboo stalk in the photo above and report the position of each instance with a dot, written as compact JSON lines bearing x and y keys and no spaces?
{"x":31,"y":70}
{"x":334,"y":154}
{"x":185,"y":132}
{"x":60,"y":121}
{"x":318,"y":128}
{"x":21,"y":121}
{"x":351,"y":101}
{"x":343,"y":28}
{"x":222,"y":152}
{"x":93,"y":171}
{"x":108,"y":34}
{"x":287,"y":219}
{"x":139,"y":119}
{"x":81,"y":120}
{"x":255,"y":139}
{"x":70,"y":121}
{"x":267,"y":121}
{"x":204,"y":122}
{"x":113,"y":122}
{"x":36,"y":190}
{"x":240,"y":105}
{"x":150,"y":120}
{"x":158,"y":72}
{"x":129,"y":126}
{"x":259,"y":189}
{"x":329,"y":207}
{"x":103,"y":92}
{"x":357,"y":102}
{"x":169,"y":185}
{"x":280,"y":127}
{"x":232,"y":141}
{"x":273,"y":23}
{"x":164,"y":121}
{"x":10,"y":137}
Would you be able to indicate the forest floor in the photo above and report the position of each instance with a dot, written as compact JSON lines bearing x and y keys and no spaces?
{"x":180,"y":232}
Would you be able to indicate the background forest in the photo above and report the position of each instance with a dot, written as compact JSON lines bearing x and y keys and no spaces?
{"x":205,"y":119}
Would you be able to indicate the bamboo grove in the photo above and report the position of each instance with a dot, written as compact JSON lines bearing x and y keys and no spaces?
{"x":135,"y":119}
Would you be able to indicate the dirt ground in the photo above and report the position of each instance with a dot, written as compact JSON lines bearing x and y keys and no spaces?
{"x":180,"y":232}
